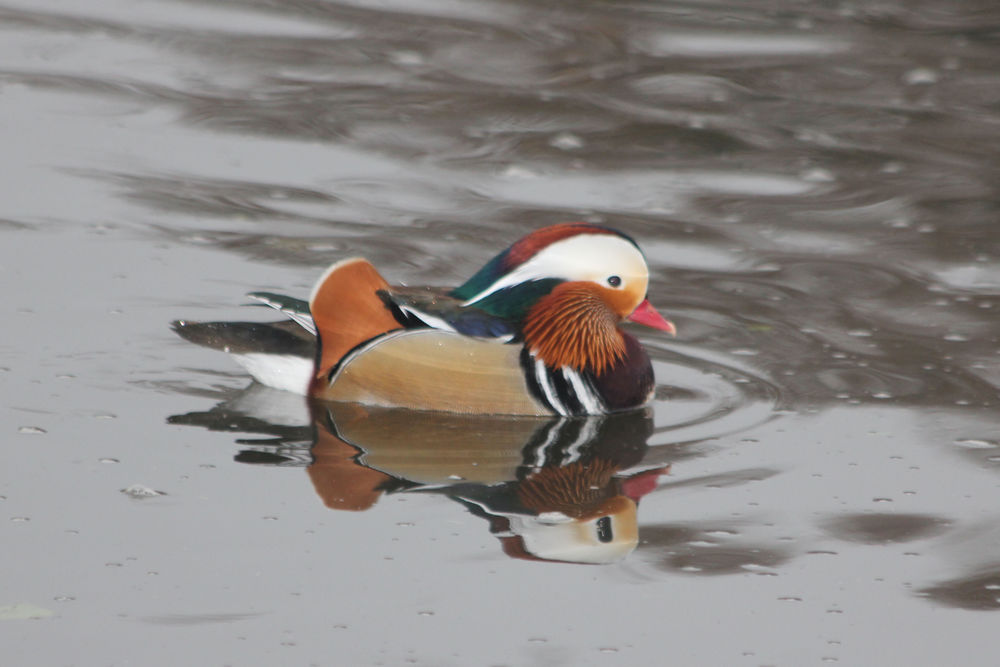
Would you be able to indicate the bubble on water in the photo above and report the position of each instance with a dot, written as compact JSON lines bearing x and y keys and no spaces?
{"x":406,"y":58}
{"x":516,"y":172}
{"x":140,"y":491}
{"x":920,"y":75}
{"x":566,"y":141}
{"x":974,"y":443}
{"x":892,"y":167}
{"x":817,"y":175}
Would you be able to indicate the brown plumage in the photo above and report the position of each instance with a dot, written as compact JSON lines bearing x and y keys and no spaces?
{"x":573,"y":326}
{"x":347,"y":313}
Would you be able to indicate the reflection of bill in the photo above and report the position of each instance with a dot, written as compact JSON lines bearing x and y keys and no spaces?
{"x":550,"y":489}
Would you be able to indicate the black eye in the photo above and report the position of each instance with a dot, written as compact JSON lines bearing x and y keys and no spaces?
{"x":614,"y":281}
{"x":604,"y":530}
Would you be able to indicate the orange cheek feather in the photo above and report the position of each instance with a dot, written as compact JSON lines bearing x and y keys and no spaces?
{"x":576,"y":325}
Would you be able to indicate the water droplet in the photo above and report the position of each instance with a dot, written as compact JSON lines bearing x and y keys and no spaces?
{"x":608,"y":649}
{"x":64,"y":598}
{"x":789,"y":598}
{"x":859,"y":333}
{"x":456,"y":477}
{"x":108,"y":460}
{"x":956,"y":338}
{"x":425,"y":612}
{"x":34,"y":430}
{"x":881,"y":500}
{"x":20,"y":519}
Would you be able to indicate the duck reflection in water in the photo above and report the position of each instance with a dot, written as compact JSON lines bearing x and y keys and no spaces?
{"x":555,"y":489}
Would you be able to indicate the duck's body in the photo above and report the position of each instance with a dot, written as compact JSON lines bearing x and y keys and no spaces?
{"x":534,"y":332}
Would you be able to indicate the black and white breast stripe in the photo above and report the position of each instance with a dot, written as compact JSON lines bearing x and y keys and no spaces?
{"x":564,"y":390}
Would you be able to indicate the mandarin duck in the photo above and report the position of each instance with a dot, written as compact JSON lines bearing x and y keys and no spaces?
{"x":534,"y":332}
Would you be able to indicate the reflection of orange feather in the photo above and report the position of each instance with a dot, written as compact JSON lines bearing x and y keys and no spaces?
{"x":347,"y":311}
{"x":342,"y":482}
{"x":574,"y":326}
{"x":574,"y":489}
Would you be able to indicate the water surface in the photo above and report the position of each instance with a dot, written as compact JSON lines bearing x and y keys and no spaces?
{"x":815,"y":187}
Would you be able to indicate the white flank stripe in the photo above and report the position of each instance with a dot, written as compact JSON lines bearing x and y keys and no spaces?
{"x":281,"y":371}
{"x":590,"y":400}
{"x":542,"y":375}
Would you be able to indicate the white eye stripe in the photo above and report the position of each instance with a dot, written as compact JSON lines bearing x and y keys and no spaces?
{"x":593,"y":257}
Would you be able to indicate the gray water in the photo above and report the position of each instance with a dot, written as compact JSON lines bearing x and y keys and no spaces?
{"x":815,"y":186}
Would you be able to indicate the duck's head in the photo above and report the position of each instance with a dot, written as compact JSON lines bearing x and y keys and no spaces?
{"x":575,"y":259}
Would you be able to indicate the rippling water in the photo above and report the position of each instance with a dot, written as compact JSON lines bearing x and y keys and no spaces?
{"x":816,"y":189}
